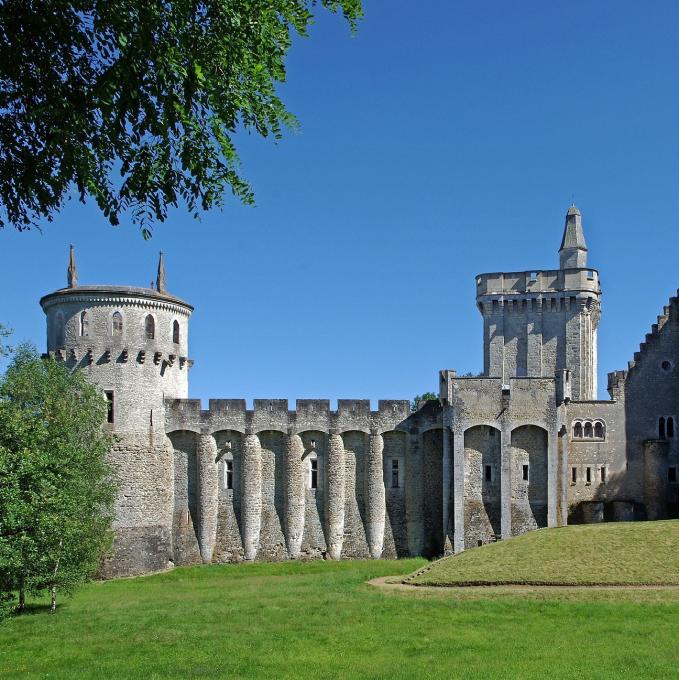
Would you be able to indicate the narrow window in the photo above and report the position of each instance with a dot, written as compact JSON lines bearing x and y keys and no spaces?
{"x":603,"y":475}
{"x":577,"y":430}
{"x":574,"y":475}
{"x":588,"y":430}
{"x":117,"y":323}
{"x":489,"y":473}
{"x":670,"y":427}
{"x":228,"y":474}
{"x":590,"y":275}
{"x":175,"y":332}
{"x":394,"y":473}
{"x":599,"y":430}
{"x":672,"y":474}
{"x":314,"y":473}
{"x":525,"y":473}
{"x":84,"y":324}
{"x":533,"y":276}
{"x":588,"y":475}
{"x":150,"y":327}
{"x":661,"y":428}
{"x":109,"y":406}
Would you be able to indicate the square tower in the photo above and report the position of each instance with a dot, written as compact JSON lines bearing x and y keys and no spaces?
{"x":536,"y":323}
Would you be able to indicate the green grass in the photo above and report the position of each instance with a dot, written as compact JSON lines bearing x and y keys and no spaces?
{"x":634,"y":553}
{"x":321,"y":620}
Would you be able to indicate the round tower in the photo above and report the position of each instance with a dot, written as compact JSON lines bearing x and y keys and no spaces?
{"x":132,"y":343}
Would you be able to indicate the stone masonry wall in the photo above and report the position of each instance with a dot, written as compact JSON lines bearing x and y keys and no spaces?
{"x":529,"y":496}
{"x":360,"y":506}
{"x":481,"y":495}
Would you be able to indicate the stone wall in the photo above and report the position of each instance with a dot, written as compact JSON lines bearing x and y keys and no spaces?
{"x":482,"y":510}
{"x":529,"y":479}
{"x":143,"y":527}
{"x":357,"y":503}
{"x":649,"y":389}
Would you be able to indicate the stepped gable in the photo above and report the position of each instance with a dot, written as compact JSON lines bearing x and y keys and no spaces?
{"x":669,"y":313}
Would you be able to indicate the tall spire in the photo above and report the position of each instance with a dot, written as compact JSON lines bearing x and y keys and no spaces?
{"x":72,"y":275}
{"x":160,"y":281}
{"x":573,"y":251}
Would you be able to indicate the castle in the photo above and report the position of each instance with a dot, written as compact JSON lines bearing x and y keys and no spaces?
{"x":525,"y":445}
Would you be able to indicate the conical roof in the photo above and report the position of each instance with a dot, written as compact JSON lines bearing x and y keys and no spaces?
{"x":573,"y":235}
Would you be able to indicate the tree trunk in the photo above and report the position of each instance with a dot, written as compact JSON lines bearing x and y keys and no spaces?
{"x":22,"y":597}
{"x":53,"y":589}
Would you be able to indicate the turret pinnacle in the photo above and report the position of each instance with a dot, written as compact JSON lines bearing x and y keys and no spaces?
{"x":160,"y":281}
{"x":573,"y":251}
{"x":72,"y":275}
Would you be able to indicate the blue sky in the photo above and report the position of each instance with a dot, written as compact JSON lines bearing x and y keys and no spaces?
{"x":445,"y":139}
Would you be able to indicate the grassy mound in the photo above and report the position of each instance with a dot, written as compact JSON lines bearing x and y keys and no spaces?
{"x":635,"y":553}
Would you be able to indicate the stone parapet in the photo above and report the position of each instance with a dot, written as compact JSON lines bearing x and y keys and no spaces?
{"x":274,"y":414}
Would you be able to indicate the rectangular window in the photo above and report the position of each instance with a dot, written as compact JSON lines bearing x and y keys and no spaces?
{"x":590,"y":275}
{"x":525,"y":473}
{"x":672,"y":474}
{"x":109,"y":406}
{"x":533,"y":276}
{"x":228,"y":474}
{"x":574,"y":475}
{"x":394,"y":474}
{"x":588,"y":475}
{"x":314,"y":473}
{"x":603,"y":475}
{"x":489,"y":473}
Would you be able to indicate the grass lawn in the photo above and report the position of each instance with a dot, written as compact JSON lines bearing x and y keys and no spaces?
{"x":321,"y":620}
{"x":614,"y":554}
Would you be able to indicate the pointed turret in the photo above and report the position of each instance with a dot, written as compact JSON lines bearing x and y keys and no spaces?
{"x":573,"y":251}
{"x":160,"y":281}
{"x":72,"y":275}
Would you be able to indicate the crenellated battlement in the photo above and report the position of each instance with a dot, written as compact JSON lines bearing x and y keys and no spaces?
{"x":275,"y":414}
{"x":539,"y":282}
{"x":616,"y":384}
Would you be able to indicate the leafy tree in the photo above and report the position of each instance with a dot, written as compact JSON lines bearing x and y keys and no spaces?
{"x":56,"y":489}
{"x":4,"y":333}
{"x":151,"y":91}
{"x":426,"y":396}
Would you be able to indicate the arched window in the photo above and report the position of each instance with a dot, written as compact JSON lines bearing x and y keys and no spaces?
{"x":661,"y":428}
{"x":117,"y":323}
{"x":670,"y":426}
{"x":577,"y":430}
{"x":175,"y":332}
{"x":59,"y":330}
{"x":150,"y":327}
{"x":588,"y":430}
{"x":599,"y":430}
{"x":84,"y":324}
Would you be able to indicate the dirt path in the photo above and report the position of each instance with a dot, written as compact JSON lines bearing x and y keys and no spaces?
{"x":396,"y":583}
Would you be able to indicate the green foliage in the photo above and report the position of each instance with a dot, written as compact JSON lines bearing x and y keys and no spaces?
{"x":151,"y":91}
{"x":426,"y":396}
{"x":56,"y":490}
{"x":4,"y":333}
{"x":296,"y":620}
